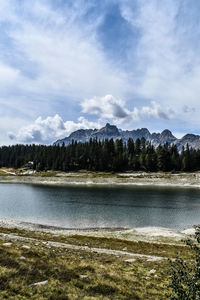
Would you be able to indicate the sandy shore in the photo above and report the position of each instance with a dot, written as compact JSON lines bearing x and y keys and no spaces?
{"x":147,"y":234}
{"x":186,"y":180}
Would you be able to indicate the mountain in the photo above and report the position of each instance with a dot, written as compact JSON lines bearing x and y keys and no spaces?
{"x":111,"y":131}
{"x":192,"y":140}
{"x":107,"y":132}
{"x":84,"y":135}
{"x":136,"y":134}
{"x":81,"y":135}
{"x":161,"y":138}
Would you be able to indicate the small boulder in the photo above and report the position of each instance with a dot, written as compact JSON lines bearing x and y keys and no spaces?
{"x":152,"y":271}
{"x":22,"y":258}
{"x":40,"y":283}
{"x":83,"y":276}
{"x":26,"y":247}
{"x":7,"y":244}
{"x":130,"y":260}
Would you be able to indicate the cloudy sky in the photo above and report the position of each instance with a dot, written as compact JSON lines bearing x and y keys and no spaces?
{"x":70,"y":64}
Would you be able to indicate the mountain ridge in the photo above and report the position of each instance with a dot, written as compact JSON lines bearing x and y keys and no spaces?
{"x":111,"y":131}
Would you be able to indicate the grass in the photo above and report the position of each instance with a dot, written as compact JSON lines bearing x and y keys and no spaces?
{"x":105,"y":277}
{"x":140,"y":247}
{"x":78,"y":274}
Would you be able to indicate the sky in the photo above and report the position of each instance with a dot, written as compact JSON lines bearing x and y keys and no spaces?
{"x":71,"y":64}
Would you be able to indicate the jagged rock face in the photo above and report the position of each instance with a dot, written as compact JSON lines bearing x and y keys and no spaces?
{"x":107,"y":132}
{"x":136,"y":134}
{"x":164,"y":137}
{"x":111,"y":131}
{"x":191,"y":139}
{"x":84,"y":135}
{"x":81,"y":135}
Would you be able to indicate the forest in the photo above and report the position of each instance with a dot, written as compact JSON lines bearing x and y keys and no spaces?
{"x":107,"y":155}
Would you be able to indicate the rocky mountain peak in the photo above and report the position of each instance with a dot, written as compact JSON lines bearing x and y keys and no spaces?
{"x":190,"y":137}
{"x":108,"y":131}
{"x":165,"y":136}
{"x":167,"y":133}
{"x":80,"y":132}
{"x":192,"y":140}
{"x":111,"y":131}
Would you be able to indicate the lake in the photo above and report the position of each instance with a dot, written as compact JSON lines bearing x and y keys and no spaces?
{"x":100,"y":206}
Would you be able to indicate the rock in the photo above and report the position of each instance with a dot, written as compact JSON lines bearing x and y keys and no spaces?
{"x":130,"y":260}
{"x":40,"y":283}
{"x":26,"y":247}
{"x":22,"y":258}
{"x":155,"y":258}
{"x":83,"y":276}
{"x":189,"y":231}
{"x":152,"y":271}
{"x":7,"y":244}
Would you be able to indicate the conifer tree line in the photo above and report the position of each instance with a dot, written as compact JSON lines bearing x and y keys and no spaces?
{"x":107,"y":155}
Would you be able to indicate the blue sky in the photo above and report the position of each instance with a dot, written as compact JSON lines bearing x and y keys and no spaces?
{"x":66,"y":65}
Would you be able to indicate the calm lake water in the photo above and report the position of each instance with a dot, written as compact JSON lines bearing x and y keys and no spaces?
{"x":75,"y":206}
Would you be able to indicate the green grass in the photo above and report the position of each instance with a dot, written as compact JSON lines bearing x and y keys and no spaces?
{"x":105,"y":276}
{"x":44,"y":174}
{"x":140,"y":247}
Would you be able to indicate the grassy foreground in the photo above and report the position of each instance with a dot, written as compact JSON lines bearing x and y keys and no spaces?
{"x":82,"y":274}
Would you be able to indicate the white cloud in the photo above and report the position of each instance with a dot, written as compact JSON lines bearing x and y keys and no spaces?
{"x":50,"y":129}
{"x":156,"y":111}
{"x":107,"y":108}
{"x":111,"y":108}
{"x":52,"y":56}
{"x":65,"y":54}
{"x":9,"y":124}
{"x":167,"y":67}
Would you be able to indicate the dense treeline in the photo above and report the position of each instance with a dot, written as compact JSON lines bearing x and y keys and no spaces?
{"x":107,"y":155}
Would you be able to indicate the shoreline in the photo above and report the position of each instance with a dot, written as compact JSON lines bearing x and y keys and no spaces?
{"x":12,"y":223}
{"x":151,"y":234}
{"x":169,"y":180}
{"x":103,"y":184}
